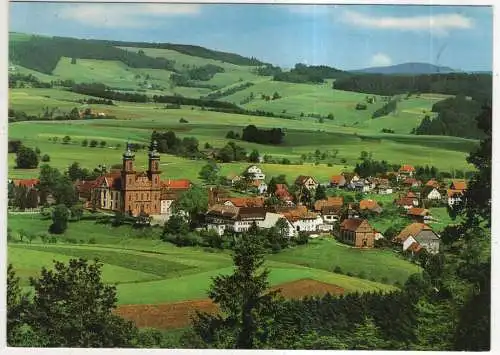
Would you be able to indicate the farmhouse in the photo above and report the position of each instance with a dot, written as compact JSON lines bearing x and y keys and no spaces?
{"x":272,"y":219}
{"x":237,"y":219}
{"x":405,"y":171}
{"x":370,"y":205}
{"x":433,"y":183}
{"x":306,"y":181}
{"x":357,"y":232}
{"x":303,"y":220}
{"x":260,"y":186}
{"x":129,"y":191}
{"x":433,"y":194}
{"x":421,"y":234}
{"x":335,"y":202}
{"x":243,"y":201}
{"x":456,"y":191}
{"x":412,"y":182}
{"x":254,"y":173}
{"x":420,"y":215}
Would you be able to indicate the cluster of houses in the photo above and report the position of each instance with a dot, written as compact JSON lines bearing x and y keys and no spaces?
{"x":333,"y":215}
{"x":133,"y":192}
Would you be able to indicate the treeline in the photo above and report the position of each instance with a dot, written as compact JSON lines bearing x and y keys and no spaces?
{"x":456,"y":117}
{"x":203,"y":73}
{"x":268,"y":70}
{"x":43,"y":53}
{"x":262,"y":136}
{"x":195,"y":51}
{"x":101,"y":90}
{"x":221,"y":93}
{"x":478,"y":86}
{"x":386,"y":109}
{"x":302,"y":73}
{"x":20,"y":80}
{"x":168,"y":142}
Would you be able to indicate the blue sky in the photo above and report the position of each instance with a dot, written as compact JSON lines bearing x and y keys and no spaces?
{"x":343,"y":36}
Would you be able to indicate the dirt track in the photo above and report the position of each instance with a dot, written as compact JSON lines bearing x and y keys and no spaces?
{"x":178,"y":314}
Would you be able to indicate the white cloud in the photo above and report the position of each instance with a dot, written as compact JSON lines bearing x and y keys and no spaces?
{"x":124,"y":15}
{"x":380,"y":60}
{"x":437,"y":24}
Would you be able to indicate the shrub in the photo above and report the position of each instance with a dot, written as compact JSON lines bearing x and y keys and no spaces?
{"x":71,"y":241}
{"x":349,"y":274}
{"x":183,"y":120}
{"x":91,"y":240}
{"x":53,"y":240}
{"x":337,"y":270}
{"x":45,"y":158}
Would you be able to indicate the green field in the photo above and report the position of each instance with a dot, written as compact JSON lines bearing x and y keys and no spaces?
{"x":167,"y":273}
{"x":136,"y":122}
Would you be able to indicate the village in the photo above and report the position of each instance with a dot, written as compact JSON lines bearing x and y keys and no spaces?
{"x":342,"y":208}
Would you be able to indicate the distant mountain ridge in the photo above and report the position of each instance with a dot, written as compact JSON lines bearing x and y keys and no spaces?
{"x":408,"y":68}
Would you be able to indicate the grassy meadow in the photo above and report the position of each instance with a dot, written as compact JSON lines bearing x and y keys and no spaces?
{"x":165,"y":273}
{"x":136,"y":122}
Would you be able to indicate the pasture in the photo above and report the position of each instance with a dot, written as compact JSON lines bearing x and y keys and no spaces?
{"x":136,"y":122}
{"x":167,"y":273}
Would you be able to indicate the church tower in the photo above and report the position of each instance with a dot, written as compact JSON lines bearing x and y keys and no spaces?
{"x":128,"y":179}
{"x":154,"y":166}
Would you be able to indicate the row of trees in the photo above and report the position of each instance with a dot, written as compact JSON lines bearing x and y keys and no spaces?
{"x":385,"y":110}
{"x":262,"y":136}
{"x":221,"y":93}
{"x":169,"y":143}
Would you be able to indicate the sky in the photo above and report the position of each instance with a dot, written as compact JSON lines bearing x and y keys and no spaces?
{"x":343,"y":36}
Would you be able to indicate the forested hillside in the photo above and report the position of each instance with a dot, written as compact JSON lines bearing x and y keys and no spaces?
{"x":42,"y":53}
{"x":302,"y":73}
{"x":456,"y":117}
{"x":478,"y":86}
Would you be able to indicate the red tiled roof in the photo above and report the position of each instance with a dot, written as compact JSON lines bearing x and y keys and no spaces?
{"x":416,"y":211}
{"x":176,"y":184}
{"x":432,"y":183}
{"x":405,"y":201}
{"x":368,"y":205}
{"x":299,"y":212}
{"x":406,"y":168}
{"x":458,"y":185}
{"x":29,"y":183}
{"x":335,"y":202}
{"x":246,"y":201}
{"x":282,"y":192}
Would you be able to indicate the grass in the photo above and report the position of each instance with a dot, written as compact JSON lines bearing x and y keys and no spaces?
{"x":137,"y":121}
{"x":326,"y":254}
{"x":151,"y":271}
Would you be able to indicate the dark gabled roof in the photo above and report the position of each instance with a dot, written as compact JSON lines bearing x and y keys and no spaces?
{"x":352,"y":224}
{"x":252,"y":213}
